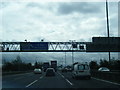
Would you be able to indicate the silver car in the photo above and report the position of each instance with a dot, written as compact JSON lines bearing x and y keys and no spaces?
{"x":37,"y":71}
{"x":103,"y":69}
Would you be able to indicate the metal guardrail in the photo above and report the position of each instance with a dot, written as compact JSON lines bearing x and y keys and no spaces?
{"x":110,"y":76}
{"x":14,"y":72}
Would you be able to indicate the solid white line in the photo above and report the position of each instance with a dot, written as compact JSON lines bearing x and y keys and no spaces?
{"x":69,"y":82}
{"x":106,"y":81}
{"x":31,"y":83}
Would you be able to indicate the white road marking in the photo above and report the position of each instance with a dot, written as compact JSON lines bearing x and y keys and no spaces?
{"x":41,"y":77}
{"x":61,"y":75}
{"x":31,"y":83}
{"x":106,"y":81}
{"x":68,"y":81}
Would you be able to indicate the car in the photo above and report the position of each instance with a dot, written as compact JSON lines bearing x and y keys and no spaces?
{"x":81,"y":70}
{"x":50,"y":72}
{"x":64,"y":70}
{"x":103,"y":69}
{"x":37,"y":71}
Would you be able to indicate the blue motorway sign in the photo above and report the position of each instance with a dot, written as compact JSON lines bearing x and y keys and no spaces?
{"x":33,"y":46}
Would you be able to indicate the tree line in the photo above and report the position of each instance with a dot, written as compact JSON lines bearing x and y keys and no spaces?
{"x":19,"y":65}
{"x":112,"y":64}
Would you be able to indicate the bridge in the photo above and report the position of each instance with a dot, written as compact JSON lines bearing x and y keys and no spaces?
{"x":52,"y":46}
{"x":98,"y":44}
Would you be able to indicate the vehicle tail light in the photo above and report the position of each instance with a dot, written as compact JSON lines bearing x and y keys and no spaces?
{"x":81,"y":71}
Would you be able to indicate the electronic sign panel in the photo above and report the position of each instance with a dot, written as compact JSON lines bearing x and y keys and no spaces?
{"x":33,"y":46}
{"x":102,"y":48}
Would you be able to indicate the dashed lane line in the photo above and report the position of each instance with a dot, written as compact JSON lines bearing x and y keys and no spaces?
{"x":41,"y":77}
{"x":31,"y":83}
{"x":66,"y":79}
{"x":61,"y":75}
{"x":106,"y":81}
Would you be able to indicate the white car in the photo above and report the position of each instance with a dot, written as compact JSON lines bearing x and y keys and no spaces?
{"x":37,"y":71}
{"x":81,"y":71}
{"x":103,"y":69}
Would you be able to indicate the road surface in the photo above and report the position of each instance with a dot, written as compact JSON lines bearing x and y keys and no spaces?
{"x":61,"y":80}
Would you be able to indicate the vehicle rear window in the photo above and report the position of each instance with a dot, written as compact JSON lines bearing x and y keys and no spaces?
{"x":83,"y":67}
{"x":86,"y":67}
{"x":50,"y":71}
{"x":80,"y":67}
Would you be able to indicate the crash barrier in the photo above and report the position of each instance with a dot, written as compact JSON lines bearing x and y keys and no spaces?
{"x":110,"y":76}
{"x":14,"y":72}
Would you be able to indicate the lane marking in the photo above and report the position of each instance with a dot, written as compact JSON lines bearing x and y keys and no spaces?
{"x":41,"y":77}
{"x":68,"y":81}
{"x":61,"y":75}
{"x":106,"y":81}
{"x":31,"y":83}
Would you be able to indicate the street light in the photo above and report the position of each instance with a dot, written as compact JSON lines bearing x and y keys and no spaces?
{"x":65,"y":59}
{"x":72,"y":50}
{"x":25,"y":40}
{"x":107,"y":24}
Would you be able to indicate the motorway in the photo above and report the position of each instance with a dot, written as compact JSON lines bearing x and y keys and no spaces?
{"x":61,"y":80}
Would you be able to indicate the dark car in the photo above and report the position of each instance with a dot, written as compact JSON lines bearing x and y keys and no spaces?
{"x":64,"y":70}
{"x":50,"y":72}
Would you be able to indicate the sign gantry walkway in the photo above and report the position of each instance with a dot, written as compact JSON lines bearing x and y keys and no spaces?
{"x":98,"y":44}
{"x":43,"y":46}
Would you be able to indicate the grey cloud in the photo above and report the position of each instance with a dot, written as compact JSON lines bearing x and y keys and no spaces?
{"x":80,"y":7}
{"x":4,"y":4}
{"x":33,"y":4}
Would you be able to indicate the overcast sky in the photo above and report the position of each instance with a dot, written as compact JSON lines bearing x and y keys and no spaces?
{"x":57,"y":21}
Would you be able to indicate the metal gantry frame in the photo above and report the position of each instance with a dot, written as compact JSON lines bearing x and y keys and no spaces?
{"x":52,"y":47}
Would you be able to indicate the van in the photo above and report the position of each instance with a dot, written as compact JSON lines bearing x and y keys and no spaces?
{"x":81,"y":70}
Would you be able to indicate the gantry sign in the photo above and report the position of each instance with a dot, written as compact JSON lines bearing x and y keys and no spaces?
{"x":43,"y":46}
{"x":98,"y":44}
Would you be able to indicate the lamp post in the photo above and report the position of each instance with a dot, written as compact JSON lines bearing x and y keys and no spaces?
{"x":72,"y":50}
{"x":107,"y":24}
{"x":65,"y":59}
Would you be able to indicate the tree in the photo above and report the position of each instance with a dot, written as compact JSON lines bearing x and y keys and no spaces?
{"x":38,"y":65}
{"x":93,"y":65}
{"x":104,"y":63}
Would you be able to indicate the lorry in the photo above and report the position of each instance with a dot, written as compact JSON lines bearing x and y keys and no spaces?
{"x":45,"y":66}
{"x":54,"y":65}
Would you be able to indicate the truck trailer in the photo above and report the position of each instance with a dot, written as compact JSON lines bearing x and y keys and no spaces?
{"x":54,"y":65}
{"x":45,"y":66}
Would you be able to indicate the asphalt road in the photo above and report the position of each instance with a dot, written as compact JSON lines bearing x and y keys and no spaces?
{"x":61,"y":80}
